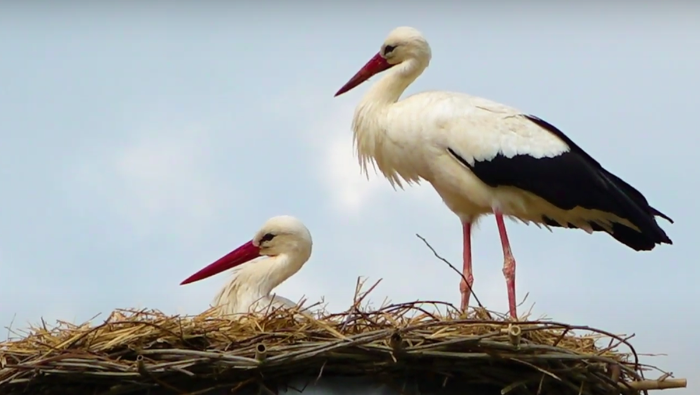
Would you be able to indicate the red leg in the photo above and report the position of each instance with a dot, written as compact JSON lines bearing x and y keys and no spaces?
{"x":465,"y":287}
{"x":508,"y":264}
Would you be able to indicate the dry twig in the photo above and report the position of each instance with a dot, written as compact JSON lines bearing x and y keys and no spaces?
{"x":138,"y":350}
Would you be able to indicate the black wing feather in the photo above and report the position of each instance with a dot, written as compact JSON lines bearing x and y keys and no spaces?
{"x":574,"y":179}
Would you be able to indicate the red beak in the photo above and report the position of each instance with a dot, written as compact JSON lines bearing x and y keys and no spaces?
{"x":375,"y":65}
{"x":240,"y":255}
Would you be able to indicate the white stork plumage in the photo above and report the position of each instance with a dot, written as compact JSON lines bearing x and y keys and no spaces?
{"x":484,"y":158}
{"x":277,"y":251}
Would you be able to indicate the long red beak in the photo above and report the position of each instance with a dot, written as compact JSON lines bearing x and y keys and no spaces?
{"x":375,"y":65}
{"x":240,"y":255}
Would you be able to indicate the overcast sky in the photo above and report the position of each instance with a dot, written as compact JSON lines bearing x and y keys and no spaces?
{"x":142,"y":143}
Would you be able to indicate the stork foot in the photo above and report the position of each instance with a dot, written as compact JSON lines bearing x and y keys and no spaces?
{"x":465,"y":288}
{"x":508,"y":263}
{"x":509,"y":273}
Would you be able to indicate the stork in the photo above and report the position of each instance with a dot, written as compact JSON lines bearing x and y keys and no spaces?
{"x":277,"y":251}
{"x":484,"y":158}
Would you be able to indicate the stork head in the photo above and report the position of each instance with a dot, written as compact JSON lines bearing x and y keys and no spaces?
{"x":402,"y":45}
{"x":283,"y":235}
{"x":279,"y":235}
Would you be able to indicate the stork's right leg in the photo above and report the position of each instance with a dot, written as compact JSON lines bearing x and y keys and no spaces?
{"x":508,"y":264}
{"x":465,"y":287}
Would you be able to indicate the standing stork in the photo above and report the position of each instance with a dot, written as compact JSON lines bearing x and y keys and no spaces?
{"x":277,"y":251}
{"x":483,"y":157}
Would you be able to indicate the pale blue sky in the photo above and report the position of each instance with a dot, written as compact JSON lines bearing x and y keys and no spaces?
{"x":141,"y":143}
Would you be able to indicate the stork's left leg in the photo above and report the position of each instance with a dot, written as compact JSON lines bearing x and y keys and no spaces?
{"x":508,"y":263}
{"x":465,"y":286}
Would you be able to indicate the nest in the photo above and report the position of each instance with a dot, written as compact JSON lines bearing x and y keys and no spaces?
{"x":407,"y":348}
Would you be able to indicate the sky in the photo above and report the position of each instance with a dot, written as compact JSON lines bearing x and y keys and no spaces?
{"x":142,"y":142}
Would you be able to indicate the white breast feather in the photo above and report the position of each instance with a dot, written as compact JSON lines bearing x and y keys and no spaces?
{"x":243,"y":295}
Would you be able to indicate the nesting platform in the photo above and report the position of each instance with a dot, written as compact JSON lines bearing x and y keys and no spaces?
{"x":401,"y":348}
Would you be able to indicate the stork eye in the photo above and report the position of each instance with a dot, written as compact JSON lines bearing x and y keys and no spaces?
{"x":389,"y":49}
{"x":267,"y":237}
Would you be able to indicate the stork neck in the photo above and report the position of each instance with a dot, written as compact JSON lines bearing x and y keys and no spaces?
{"x":266,"y":274}
{"x":389,"y":89}
{"x":281,"y":268}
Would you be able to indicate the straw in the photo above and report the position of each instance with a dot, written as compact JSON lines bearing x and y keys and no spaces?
{"x":135,"y":351}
